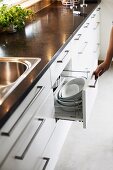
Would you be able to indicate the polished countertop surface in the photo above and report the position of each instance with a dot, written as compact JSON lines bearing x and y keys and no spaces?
{"x":44,"y":38}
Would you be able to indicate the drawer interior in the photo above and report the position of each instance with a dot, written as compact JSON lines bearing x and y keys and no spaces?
{"x":62,"y":109}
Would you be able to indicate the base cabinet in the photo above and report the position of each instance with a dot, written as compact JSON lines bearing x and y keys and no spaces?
{"x":22,"y":116}
{"x":29,"y":147}
{"x":33,"y":136}
{"x":40,"y":143}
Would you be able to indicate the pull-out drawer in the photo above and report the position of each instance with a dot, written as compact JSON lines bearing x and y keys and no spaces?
{"x":82,"y":110}
{"x":29,"y":148}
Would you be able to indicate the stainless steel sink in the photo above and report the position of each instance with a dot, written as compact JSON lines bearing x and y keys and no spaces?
{"x":12,"y":71}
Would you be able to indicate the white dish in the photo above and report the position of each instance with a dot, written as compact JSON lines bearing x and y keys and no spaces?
{"x":70,"y":104}
{"x":60,"y":107}
{"x":72,"y":89}
{"x":69,"y":90}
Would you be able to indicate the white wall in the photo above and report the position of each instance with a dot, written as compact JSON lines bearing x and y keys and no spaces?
{"x":106,"y":24}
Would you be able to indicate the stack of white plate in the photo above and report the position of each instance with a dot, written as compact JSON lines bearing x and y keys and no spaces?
{"x":69,"y":96}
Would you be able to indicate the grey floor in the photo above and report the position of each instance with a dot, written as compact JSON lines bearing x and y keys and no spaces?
{"x":92,"y":148}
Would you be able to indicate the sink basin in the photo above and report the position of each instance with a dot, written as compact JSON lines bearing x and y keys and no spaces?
{"x":12,"y":71}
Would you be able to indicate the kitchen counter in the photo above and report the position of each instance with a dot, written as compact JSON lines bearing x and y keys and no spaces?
{"x":44,"y":38}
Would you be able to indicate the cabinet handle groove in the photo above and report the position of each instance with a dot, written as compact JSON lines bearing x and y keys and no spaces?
{"x":97,"y":47}
{"x":86,"y":26}
{"x":46,"y":163}
{"x":61,"y":60}
{"x":78,"y":38}
{"x":8,"y":133}
{"x":40,"y":89}
{"x":21,"y":156}
{"x":83,"y":48}
{"x":97,"y":24}
{"x":98,"y":9}
{"x":93,"y":16}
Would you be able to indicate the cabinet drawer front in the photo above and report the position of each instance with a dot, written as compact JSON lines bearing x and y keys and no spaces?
{"x":37,"y":94}
{"x":31,"y":144}
{"x":59,"y":64}
{"x":47,"y":109}
{"x":78,"y":56}
{"x":78,"y":40}
{"x":54,"y":146}
{"x":88,"y":96}
{"x":23,"y":114}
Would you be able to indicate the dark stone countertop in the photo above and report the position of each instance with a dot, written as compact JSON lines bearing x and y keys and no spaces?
{"x":45,"y":37}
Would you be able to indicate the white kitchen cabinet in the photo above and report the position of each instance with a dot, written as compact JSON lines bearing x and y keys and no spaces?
{"x":29,"y":148}
{"x":85,"y":45}
{"x":85,"y":50}
{"x":31,"y":138}
{"x":16,"y":124}
{"x":41,"y":140}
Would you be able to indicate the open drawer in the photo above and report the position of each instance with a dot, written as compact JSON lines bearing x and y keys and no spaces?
{"x":82,"y":110}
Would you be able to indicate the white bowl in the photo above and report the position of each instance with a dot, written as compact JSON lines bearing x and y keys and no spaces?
{"x":72,"y":89}
{"x":68,"y":102}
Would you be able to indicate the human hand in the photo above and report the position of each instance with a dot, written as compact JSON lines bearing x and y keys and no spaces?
{"x":100,"y":69}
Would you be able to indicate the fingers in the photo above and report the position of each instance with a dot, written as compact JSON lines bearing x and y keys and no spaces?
{"x":98,"y":72}
{"x":101,"y":69}
{"x":96,"y":75}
